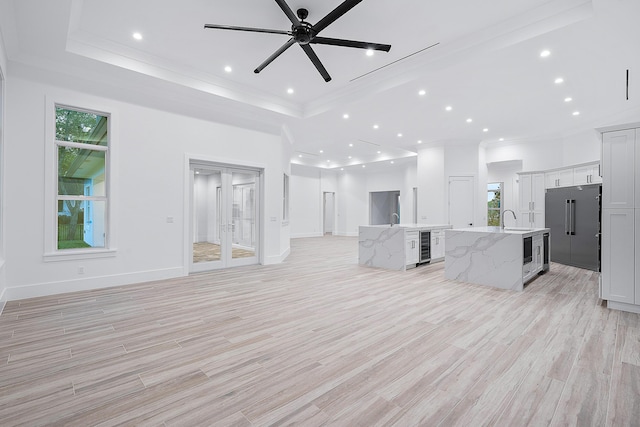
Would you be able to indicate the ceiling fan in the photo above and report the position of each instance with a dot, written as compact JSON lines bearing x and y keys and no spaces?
{"x":305,"y":34}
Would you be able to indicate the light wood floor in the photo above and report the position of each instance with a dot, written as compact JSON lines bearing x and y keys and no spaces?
{"x":206,"y":251}
{"x":319,"y":340}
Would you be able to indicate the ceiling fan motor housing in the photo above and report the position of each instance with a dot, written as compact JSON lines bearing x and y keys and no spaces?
{"x":303,"y":33}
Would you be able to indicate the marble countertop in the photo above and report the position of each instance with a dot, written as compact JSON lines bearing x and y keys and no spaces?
{"x":507,"y":230}
{"x":411,"y":226}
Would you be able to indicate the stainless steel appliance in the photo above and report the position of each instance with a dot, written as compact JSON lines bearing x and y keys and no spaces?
{"x":527,"y":250}
{"x":573,"y":215}
{"x":425,"y":246}
{"x":545,"y":253}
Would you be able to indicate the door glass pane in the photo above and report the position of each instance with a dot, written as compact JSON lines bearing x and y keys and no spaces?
{"x":81,"y":224}
{"x":207,"y":226}
{"x":243,"y":214}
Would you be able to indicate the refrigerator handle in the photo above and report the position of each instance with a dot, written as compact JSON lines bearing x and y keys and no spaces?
{"x":572,"y":225}
{"x":566,"y":216}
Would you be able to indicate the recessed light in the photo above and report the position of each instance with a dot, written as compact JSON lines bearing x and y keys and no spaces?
{"x":350,"y":157}
{"x":228,"y":69}
{"x":369,"y":52}
{"x":391,"y":162}
{"x":448,"y":108}
{"x":501,"y":139}
{"x":469,"y":120}
{"x":290,"y":91}
{"x":576,"y":113}
{"x":328,"y":161}
{"x":300,"y":155}
{"x":350,"y":145}
{"x":345,"y":116}
{"x":419,"y":141}
{"x":558,"y":80}
{"x":545,"y":53}
{"x":379,"y":152}
{"x":137,"y":36}
{"x":363,"y":166}
{"x":322,"y":151}
{"x":197,"y":172}
{"x":341,"y":169}
{"x":399,"y":135}
{"x":485,"y":130}
{"x":568,"y":99}
{"x":422,"y":92}
{"x":376,"y":126}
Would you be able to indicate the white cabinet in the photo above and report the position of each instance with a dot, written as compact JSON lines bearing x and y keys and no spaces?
{"x":559,"y":178}
{"x":437,"y":244}
{"x":618,"y":176}
{"x":412,"y":247}
{"x":588,"y":174}
{"x":531,"y":204}
{"x":618,"y":255}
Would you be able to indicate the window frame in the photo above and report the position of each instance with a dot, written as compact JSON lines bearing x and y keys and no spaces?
{"x":52,"y":198}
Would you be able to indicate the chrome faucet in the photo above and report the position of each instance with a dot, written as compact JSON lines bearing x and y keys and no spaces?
{"x":397,"y":216}
{"x":505,"y":211}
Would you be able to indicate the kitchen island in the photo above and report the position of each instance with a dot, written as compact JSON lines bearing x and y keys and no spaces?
{"x":504,"y":258}
{"x":401,"y":246}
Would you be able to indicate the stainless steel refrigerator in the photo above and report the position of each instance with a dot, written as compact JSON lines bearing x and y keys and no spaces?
{"x":573,"y":215}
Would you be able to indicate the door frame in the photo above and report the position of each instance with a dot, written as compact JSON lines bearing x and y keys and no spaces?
{"x":232,"y":164}
{"x":324,"y":212}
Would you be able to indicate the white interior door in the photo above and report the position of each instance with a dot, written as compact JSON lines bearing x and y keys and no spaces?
{"x":224,"y":220}
{"x":329,"y":212}
{"x":461,"y":201}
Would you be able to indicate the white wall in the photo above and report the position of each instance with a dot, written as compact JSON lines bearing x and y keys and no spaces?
{"x":351,"y":187}
{"x":149,"y":179}
{"x":431,"y":185}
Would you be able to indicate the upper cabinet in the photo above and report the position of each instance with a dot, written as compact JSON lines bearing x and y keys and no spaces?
{"x":619,"y":178}
{"x":588,"y":173}
{"x":559,"y":178}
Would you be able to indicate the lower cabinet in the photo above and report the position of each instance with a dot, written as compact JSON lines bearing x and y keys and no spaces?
{"x":412,"y":252}
{"x":618,"y":256}
{"x":437,"y":244}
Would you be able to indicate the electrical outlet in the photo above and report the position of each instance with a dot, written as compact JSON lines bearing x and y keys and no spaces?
{"x":170,"y":220}
{"x":80,"y":270}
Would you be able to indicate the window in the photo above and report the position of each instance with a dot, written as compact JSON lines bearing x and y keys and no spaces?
{"x":285,"y":199}
{"x":494,"y":203}
{"x":81,"y":152}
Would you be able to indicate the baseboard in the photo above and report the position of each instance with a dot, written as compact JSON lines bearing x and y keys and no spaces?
{"x":631,"y":308}
{"x":303,"y":235}
{"x":278,"y":258}
{"x":3,"y":300}
{"x":62,"y":287}
{"x":348,"y":234}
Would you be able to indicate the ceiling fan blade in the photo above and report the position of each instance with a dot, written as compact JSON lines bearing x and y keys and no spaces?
{"x":351,"y":43}
{"x":253,"y":30}
{"x":316,"y":61}
{"x":277,"y":53}
{"x":336,"y":13}
{"x":287,"y":11}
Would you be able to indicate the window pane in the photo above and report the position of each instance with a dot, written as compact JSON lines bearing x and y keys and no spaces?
{"x":80,"y":172}
{"x":81,"y":224}
{"x":80,"y":126}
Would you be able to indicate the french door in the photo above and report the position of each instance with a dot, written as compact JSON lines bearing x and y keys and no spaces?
{"x":225,"y":217}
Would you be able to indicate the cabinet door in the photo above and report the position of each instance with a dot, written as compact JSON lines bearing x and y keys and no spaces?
{"x":565,"y":177}
{"x":437,"y":244}
{"x":537,"y":192}
{"x":595,"y":175}
{"x":412,"y":252}
{"x":525,"y":192}
{"x":618,"y":176}
{"x":551,"y":179}
{"x":618,"y":257}
{"x":589,"y":174}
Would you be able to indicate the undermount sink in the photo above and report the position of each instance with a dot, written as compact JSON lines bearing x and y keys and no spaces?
{"x":517,"y":229}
